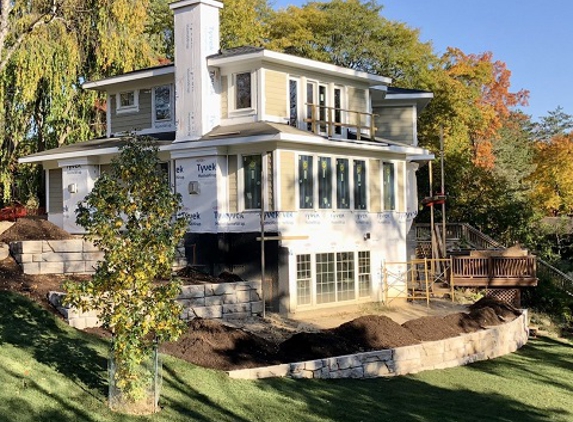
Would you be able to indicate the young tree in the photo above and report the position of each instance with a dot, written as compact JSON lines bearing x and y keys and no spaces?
{"x":131,"y":215}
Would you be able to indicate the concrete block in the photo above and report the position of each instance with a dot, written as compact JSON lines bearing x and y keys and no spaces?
{"x":408,"y":353}
{"x":79,"y":323}
{"x":255,"y":295}
{"x":92,"y":321}
{"x":88,"y":246}
{"x":28,"y":246}
{"x":357,"y":372}
{"x":61,"y":256}
{"x":314,"y":365}
{"x":31,"y":268}
{"x":70,"y":245}
{"x":52,"y":267}
{"x":92,"y":256}
{"x":220,"y":289}
{"x":375,"y":369}
{"x":74,"y":267}
{"x":91,"y":266}
{"x":4,"y":251}
{"x":256,"y":308}
{"x":209,"y":312}
{"x":213,"y":300}
{"x":23,"y":258}
{"x":349,"y":361}
{"x":237,"y":308}
{"x":192,"y":291}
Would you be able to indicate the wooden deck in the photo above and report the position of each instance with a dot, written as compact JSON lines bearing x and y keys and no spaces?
{"x":494,"y":271}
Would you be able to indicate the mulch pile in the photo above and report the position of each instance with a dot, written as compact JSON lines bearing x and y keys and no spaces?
{"x":212,"y":344}
{"x":33,"y":229}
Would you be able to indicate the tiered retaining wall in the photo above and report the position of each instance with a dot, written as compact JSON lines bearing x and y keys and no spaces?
{"x":73,"y":256}
{"x":225,"y":300}
{"x":456,"y":351}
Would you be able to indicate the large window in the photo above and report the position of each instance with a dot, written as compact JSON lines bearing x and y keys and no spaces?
{"x":310,"y":109}
{"x":388,"y":186}
{"x":305,"y":182}
{"x":324,"y":182}
{"x":252,"y":166}
{"x":342,"y":184}
{"x":163,"y":105}
{"x":337,"y":111}
{"x":333,"y":277}
{"x":243,"y":91}
{"x":359,"y":184}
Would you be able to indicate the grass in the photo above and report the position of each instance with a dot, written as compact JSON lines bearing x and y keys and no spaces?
{"x":50,"y":372}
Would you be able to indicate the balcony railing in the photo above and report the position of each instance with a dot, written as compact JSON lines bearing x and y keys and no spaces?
{"x":494,"y":271}
{"x":332,"y":121}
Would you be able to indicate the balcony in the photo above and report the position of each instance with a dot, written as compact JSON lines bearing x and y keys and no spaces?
{"x":338,"y":122}
{"x":494,"y":271}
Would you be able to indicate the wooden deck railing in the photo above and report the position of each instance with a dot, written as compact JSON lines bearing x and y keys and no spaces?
{"x":494,"y":271}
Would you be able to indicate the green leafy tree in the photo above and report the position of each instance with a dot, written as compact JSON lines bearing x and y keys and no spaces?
{"x":47,"y":49}
{"x":353,"y":34}
{"x":557,"y":122}
{"x":244,"y":22}
{"x":131,"y":215}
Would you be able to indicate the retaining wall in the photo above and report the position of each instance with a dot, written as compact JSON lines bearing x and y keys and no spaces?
{"x":456,"y":351}
{"x":73,"y":256}
{"x":215,"y":301}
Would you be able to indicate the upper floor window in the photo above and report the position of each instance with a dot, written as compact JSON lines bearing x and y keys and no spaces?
{"x":359,"y":185}
{"x":388,"y":186}
{"x":162,"y":105}
{"x":293,"y":102}
{"x":252,"y":167}
{"x":243,"y":91}
{"x":127,"y":101}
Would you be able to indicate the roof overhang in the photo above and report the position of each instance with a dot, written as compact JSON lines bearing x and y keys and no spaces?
{"x":136,"y":76}
{"x":297,"y":62}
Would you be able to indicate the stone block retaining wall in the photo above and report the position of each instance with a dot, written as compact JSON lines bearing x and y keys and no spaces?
{"x":73,"y":256}
{"x":225,"y":300}
{"x":456,"y":351}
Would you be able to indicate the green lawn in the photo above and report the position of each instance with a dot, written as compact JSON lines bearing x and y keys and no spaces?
{"x":50,"y":372}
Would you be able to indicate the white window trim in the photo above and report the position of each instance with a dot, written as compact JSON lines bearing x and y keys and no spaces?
{"x":127,"y":109}
{"x":241,"y":181}
{"x":163,"y":123}
{"x":231,"y":98}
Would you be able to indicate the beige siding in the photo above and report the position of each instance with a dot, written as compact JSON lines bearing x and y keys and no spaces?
{"x":276,"y":93}
{"x":55,"y":191}
{"x":395,"y":123}
{"x":357,"y":102}
{"x":375,"y":188}
{"x":233,"y":193}
{"x":401,"y":187}
{"x":129,"y":122}
{"x":287,"y":179}
{"x":224,"y":97}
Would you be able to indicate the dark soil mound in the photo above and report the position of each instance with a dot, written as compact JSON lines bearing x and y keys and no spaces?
{"x":33,"y":229}
{"x":432,"y":328}
{"x":211,"y":344}
{"x":310,"y":346}
{"x":374,"y":332}
{"x":505,"y":311}
{"x":462,"y":322}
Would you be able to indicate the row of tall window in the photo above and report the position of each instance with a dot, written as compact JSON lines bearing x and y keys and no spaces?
{"x":317,"y":108}
{"x":340,"y":183}
{"x":323,"y":183}
{"x":332,"y":277}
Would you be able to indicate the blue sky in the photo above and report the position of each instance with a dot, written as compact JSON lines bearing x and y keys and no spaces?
{"x":534,"y":38}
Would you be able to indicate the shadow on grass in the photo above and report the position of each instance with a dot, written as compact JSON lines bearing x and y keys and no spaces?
{"x":27,"y":326}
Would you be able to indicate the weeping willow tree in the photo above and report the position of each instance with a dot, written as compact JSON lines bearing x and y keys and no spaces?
{"x":47,"y":49}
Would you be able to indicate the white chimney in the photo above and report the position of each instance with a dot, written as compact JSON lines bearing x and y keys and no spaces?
{"x":197,"y":90}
